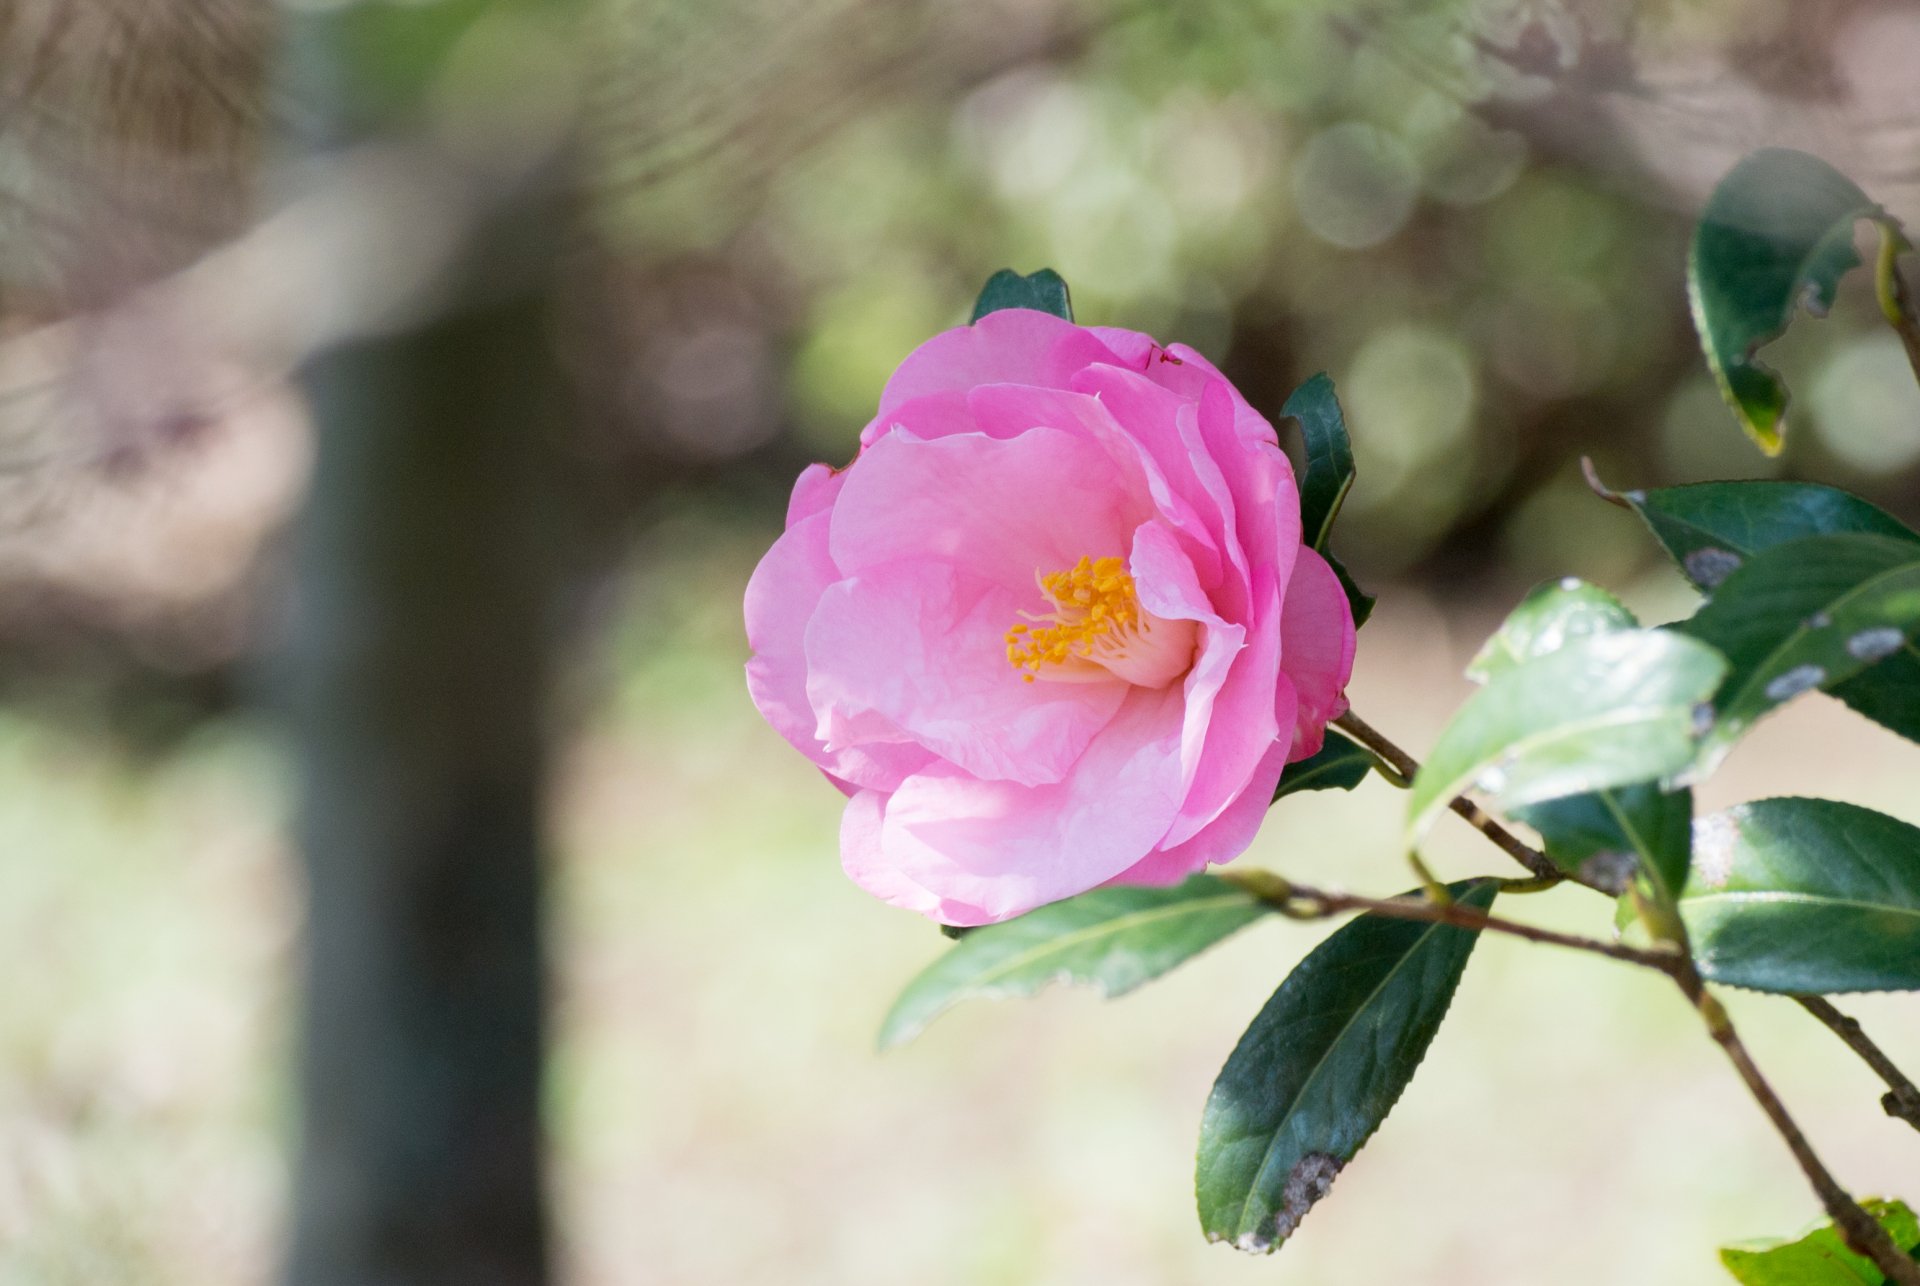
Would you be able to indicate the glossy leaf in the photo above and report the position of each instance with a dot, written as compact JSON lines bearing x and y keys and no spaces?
{"x":1804,"y":615}
{"x":1604,"y":710}
{"x":1776,"y":235}
{"x":1805,"y":895}
{"x":1358,"y":600}
{"x":1547,"y":619}
{"x":1821,"y":1258}
{"x":1329,"y":474}
{"x":1044,"y":292}
{"x":1609,"y":835}
{"x":1321,"y":1066}
{"x":1340,"y":764}
{"x":1711,"y":528}
{"x":1113,"y":939}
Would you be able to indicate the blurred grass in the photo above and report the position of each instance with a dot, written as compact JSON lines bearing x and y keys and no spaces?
{"x":720,"y":1113}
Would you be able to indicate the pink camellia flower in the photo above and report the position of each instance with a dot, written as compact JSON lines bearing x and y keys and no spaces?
{"x":1054,"y":627}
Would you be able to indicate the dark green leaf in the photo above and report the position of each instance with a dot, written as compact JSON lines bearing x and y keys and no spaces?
{"x":1111,"y":938}
{"x":1776,"y":235}
{"x":1607,"y":836}
{"x":1339,"y":765}
{"x":1358,"y":600}
{"x":1821,"y":1258}
{"x":1329,"y":455}
{"x":1804,"y":615}
{"x":1043,"y":292}
{"x":1710,"y":528}
{"x":1604,"y":710}
{"x":1321,"y":1066}
{"x":1547,"y":619}
{"x":1805,"y":895}
{"x":1713,"y":527}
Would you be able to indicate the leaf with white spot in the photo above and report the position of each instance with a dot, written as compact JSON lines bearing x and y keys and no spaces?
{"x":1548,"y":618}
{"x":1809,"y":614}
{"x":1805,"y":896}
{"x":1711,"y":528}
{"x":1603,"y":710}
{"x":1321,"y":1066}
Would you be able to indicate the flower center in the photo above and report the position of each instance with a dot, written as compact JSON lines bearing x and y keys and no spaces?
{"x":1097,"y":630}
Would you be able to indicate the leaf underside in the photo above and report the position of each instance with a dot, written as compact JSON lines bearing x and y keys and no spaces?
{"x":1113,"y":939}
{"x":1776,"y":235}
{"x":1603,"y":710}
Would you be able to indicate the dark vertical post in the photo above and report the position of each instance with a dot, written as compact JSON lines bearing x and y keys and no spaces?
{"x":420,"y":652}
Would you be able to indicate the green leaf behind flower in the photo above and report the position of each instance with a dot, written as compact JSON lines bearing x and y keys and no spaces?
{"x":1776,"y":235}
{"x":1340,"y":765}
{"x":1805,"y":895}
{"x":1113,"y":939}
{"x":1821,"y":1258}
{"x":1329,"y":457}
{"x":1321,"y":1066}
{"x":1329,"y":477}
{"x":1044,"y":292}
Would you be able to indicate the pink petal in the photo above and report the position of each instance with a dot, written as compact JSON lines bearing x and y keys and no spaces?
{"x":1225,"y":838}
{"x":1012,"y":346}
{"x":1133,"y":349}
{"x":1152,"y":436}
{"x":1006,"y":849}
{"x":814,"y":492}
{"x":1168,"y":587}
{"x":781,"y":597}
{"x":1001,"y":508}
{"x":1242,"y":726}
{"x":922,"y":645}
{"x":862,"y":860}
{"x":1316,"y":648}
{"x":936,"y":415}
{"x":1187,"y":373}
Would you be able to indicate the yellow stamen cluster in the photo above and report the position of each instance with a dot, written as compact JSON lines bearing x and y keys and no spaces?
{"x":1094,"y":601}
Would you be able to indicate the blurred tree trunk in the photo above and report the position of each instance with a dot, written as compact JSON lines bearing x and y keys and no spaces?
{"x":421,"y":651}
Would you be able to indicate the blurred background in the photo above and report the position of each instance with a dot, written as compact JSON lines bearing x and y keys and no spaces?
{"x":736,"y":217}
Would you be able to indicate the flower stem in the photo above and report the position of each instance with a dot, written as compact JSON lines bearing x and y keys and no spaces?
{"x":1857,"y":1228}
{"x":1404,"y":764}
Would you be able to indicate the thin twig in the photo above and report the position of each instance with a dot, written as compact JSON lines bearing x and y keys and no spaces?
{"x":1857,"y":1228}
{"x":1902,"y":1099}
{"x":1302,"y":902}
{"x":1404,"y":764}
